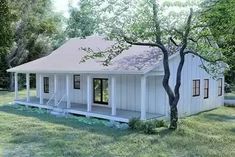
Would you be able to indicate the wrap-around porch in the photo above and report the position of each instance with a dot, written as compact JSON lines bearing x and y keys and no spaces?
{"x":64,"y":104}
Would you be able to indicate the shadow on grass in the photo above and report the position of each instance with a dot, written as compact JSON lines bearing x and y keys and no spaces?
{"x":69,"y":121}
{"x":233,"y":130}
{"x":58,"y":139}
{"x":219,"y":117}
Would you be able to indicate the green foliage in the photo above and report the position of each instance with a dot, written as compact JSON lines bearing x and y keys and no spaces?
{"x":29,"y":32}
{"x":159,"y":123}
{"x":135,"y":123}
{"x":148,"y":127}
{"x":5,"y":27}
{"x":220,"y":17}
{"x":81,"y":22}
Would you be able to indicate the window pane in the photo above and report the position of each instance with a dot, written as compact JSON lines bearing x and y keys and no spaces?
{"x":76,"y":81}
{"x":46,"y":84}
{"x":97,"y":90}
{"x":220,"y":88}
{"x":196,"y":87}
{"x":105,"y":91}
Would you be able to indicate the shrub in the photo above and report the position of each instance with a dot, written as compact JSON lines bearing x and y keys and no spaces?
{"x":160,"y":123}
{"x":227,"y":88}
{"x":147,"y":127}
{"x":135,"y":124}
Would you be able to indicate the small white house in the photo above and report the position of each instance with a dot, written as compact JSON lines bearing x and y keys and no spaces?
{"x":131,"y":86}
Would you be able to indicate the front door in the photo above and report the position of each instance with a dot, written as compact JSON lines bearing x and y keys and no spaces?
{"x":100,"y":91}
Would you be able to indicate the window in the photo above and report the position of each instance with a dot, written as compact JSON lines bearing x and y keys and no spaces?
{"x":100,"y":91}
{"x":196,"y":87}
{"x":206,"y":88}
{"x":220,"y":88}
{"x":46,"y":84}
{"x":76,"y":81}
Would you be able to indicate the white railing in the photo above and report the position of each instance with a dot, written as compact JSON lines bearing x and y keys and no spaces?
{"x":52,"y":96}
{"x":61,"y":100}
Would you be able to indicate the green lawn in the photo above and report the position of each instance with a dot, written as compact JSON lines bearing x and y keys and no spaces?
{"x":229,"y":95}
{"x":29,"y":132}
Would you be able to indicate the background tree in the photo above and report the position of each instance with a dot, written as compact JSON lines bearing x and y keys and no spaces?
{"x":5,"y":38}
{"x":33,"y":28}
{"x":5,"y":26}
{"x":170,"y":27}
{"x":219,"y":15}
{"x":82,"y":21}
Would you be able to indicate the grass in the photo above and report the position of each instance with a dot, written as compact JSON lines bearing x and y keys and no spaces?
{"x":229,"y":95}
{"x":31,"y":132}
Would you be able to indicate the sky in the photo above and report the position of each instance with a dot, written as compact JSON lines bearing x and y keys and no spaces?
{"x":62,"y":6}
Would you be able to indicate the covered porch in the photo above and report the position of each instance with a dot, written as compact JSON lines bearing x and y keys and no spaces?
{"x":81,"y":109}
{"x":63,"y":103}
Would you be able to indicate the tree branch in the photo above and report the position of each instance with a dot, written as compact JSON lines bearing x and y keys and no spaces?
{"x":204,"y":58}
{"x":173,"y":41}
{"x":179,"y":32}
{"x":141,"y":43}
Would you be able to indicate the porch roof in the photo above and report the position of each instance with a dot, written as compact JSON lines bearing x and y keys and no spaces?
{"x":68,"y":57}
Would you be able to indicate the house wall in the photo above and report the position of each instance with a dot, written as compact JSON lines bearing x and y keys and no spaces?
{"x":188,"y":104}
{"x":127,"y":91}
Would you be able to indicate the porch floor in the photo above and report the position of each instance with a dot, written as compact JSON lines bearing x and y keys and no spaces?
{"x":81,"y":109}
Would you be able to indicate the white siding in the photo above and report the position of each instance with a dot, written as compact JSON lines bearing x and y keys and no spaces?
{"x":188,"y":104}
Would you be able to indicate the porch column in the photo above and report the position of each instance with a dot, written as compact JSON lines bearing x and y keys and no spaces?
{"x":113,"y":86}
{"x":16,"y":86}
{"x":143,"y":98}
{"x":88,"y":93}
{"x":40,"y":89}
{"x":67,"y":91}
{"x":28,"y":86}
{"x":55,"y":90}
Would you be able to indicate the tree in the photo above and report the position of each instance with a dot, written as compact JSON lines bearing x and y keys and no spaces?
{"x":81,"y":22}
{"x":5,"y":39}
{"x":220,"y":17}
{"x":145,"y":23}
{"x":33,"y":26}
{"x":5,"y":27}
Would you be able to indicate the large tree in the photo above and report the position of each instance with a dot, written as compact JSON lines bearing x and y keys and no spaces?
{"x":170,"y":27}
{"x":33,"y":27}
{"x":5,"y":26}
{"x":5,"y":39}
{"x":219,"y":15}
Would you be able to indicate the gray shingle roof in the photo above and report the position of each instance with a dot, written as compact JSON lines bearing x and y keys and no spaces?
{"x":67,"y":59}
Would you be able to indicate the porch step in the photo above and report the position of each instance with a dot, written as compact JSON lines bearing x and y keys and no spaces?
{"x":58,"y":112}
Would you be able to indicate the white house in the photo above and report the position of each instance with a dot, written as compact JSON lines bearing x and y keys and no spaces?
{"x":131,"y":86}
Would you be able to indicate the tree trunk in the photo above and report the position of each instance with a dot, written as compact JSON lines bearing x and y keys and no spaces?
{"x":173,"y":116}
{"x":12,"y":83}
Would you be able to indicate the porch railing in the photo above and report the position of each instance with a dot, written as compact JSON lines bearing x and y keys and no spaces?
{"x":52,"y":96}
{"x":61,"y":100}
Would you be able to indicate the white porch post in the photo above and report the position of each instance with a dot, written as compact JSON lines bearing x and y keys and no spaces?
{"x":40,"y":89}
{"x":28,"y":86}
{"x":16,"y":86}
{"x":143,"y":98}
{"x":113,"y":86}
{"x":88,"y":93}
{"x":67,"y":91}
{"x":55,"y":90}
